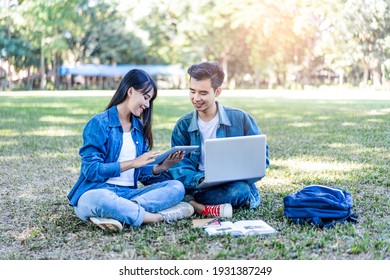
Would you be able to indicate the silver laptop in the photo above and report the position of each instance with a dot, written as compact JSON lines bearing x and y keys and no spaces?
{"x":233,"y":159}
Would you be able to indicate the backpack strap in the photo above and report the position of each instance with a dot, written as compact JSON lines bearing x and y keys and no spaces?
{"x":328,"y":223}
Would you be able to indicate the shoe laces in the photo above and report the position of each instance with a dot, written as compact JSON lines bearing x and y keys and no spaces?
{"x":212,"y":210}
{"x":171,"y":217}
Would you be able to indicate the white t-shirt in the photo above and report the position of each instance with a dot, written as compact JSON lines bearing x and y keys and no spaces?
{"x":208,"y":130}
{"x":128,"y":152}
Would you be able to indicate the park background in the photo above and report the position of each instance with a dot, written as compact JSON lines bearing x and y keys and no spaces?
{"x":313,"y":74}
{"x":294,"y":44}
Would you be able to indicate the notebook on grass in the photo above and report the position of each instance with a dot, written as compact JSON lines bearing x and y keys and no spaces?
{"x":239,"y":228}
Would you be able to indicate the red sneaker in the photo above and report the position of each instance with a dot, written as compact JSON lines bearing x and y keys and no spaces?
{"x":220,"y":210}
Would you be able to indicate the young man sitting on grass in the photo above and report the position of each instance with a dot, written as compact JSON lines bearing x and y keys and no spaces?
{"x":210,"y":119}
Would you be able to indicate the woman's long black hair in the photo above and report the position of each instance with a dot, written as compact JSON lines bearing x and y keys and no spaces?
{"x":142,"y":82}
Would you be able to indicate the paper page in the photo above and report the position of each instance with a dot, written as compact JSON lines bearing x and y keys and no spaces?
{"x":255,"y":227}
{"x":225,"y":228}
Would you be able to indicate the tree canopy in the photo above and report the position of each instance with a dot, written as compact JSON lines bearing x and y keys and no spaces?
{"x":260,"y":44}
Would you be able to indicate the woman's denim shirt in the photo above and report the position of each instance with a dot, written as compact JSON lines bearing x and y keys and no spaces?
{"x":102,"y":143}
{"x":232,"y":122}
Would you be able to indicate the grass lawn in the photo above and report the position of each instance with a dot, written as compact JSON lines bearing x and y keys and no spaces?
{"x":336,"y":142}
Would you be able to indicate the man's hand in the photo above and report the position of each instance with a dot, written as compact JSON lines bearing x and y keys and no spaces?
{"x":170,"y":161}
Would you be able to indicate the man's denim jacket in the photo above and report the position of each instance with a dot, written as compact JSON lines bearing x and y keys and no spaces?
{"x":102,"y":143}
{"x":232,"y":122}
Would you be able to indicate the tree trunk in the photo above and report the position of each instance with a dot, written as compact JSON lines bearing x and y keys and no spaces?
{"x":68,"y":81}
{"x":377,"y":77}
{"x":224,"y":66}
{"x":30,"y":79}
{"x":10,"y":82}
{"x":365,"y":75}
{"x":232,"y":83}
{"x":42,"y":67}
{"x":341,"y":76}
{"x":54,"y":70}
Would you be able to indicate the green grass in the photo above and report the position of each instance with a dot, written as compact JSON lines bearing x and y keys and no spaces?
{"x":342,"y":143}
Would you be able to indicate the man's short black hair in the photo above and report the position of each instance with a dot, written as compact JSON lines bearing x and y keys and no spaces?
{"x":207,"y":70}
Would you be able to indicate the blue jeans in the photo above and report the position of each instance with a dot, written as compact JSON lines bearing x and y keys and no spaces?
{"x":128,"y":205}
{"x":236,"y":193}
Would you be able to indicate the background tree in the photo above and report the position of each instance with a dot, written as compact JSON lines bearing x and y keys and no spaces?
{"x":163,"y":31}
{"x":103,"y":37}
{"x":44,"y":25}
{"x":263,"y":43}
{"x":368,"y":23}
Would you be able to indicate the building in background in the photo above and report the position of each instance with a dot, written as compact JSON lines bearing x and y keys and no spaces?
{"x":97,"y":76}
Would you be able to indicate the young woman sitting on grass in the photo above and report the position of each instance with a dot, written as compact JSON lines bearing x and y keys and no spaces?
{"x":115,"y":156}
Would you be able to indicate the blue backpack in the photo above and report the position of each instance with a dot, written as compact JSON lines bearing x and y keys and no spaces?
{"x":320,"y":206}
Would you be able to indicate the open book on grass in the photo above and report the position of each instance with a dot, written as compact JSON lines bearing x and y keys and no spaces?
{"x":244,"y":227}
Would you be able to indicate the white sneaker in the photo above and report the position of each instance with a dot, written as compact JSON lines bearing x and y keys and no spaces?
{"x":219,"y":210}
{"x":106,"y":223}
{"x":177,"y":212}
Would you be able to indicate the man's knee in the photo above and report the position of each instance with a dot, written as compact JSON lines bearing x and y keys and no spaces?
{"x":239,"y":193}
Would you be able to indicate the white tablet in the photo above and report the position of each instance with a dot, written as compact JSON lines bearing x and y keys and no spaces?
{"x":172,"y":150}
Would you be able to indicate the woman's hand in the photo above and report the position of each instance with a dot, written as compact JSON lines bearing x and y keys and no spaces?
{"x":170,"y":161}
{"x":145,"y":159}
{"x":140,"y":161}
